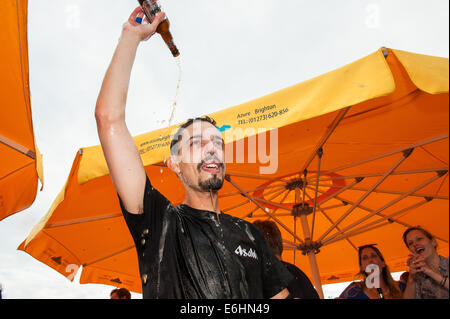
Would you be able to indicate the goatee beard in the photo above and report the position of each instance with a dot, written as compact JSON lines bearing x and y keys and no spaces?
{"x":213,"y":184}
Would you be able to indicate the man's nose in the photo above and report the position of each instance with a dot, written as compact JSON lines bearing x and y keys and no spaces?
{"x":210,"y":148}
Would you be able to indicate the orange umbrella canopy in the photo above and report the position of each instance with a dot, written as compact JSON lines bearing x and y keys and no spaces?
{"x":20,"y":161}
{"x":349,"y":158}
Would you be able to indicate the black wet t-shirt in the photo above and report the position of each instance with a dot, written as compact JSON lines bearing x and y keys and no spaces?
{"x":185,"y":253}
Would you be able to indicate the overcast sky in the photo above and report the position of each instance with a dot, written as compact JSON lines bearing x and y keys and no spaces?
{"x":232,"y":51}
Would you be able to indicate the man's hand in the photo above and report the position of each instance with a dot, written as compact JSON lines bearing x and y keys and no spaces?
{"x":143,"y":31}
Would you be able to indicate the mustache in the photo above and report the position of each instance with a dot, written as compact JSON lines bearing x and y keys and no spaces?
{"x":210,"y":159}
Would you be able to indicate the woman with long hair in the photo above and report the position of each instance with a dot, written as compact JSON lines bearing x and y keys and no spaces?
{"x":428,"y":271}
{"x":367,"y":285}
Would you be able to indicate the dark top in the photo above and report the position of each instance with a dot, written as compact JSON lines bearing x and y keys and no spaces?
{"x":185,"y":253}
{"x":354,"y":291}
{"x":300,"y":286}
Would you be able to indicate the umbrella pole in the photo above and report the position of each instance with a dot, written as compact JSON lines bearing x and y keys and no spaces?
{"x":312,"y":259}
{"x":311,"y":255}
{"x":315,"y":273}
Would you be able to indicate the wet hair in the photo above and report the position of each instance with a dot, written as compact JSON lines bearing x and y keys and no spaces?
{"x":426,"y":233}
{"x":177,"y":137}
{"x":393,"y":287}
{"x":272,"y":234}
{"x":122,"y":293}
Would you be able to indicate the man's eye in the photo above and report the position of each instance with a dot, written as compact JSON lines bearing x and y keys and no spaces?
{"x":195,"y":142}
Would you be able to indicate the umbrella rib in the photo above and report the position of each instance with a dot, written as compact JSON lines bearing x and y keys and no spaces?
{"x":384,"y":191}
{"x":322,"y":210}
{"x":403,"y":149}
{"x":272,"y":203}
{"x":289,"y":245}
{"x":433,"y":156}
{"x":255,"y":177}
{"x":346,"y":202}
{"x":276,"y":208}
{"x":278,"y":215}
{"x":17,"y":147}
{"x":334,"y":206}
{"x":248,"y":201}
{"x":84,"y":220}
{"x":440,"y":186}
{"x":345,"y":236}
{"x":252,"y":190}
{"x":324,"y":139}
{"x":250,"y":214}
{"x":416,"y":171}
{"x":62,"y":245}
{"x":319,"y":157}
{"x":254,"y":200}
{"x":389,"y":204}
{"x":236,"y":206}
{"x":368,"y":227}
{"x":108,"y":256}
{"x":343,"y":189}
{"x":15,"y":171}
{"x":362,"y":198}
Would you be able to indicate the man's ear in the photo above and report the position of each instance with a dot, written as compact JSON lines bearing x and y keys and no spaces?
{"x":174,"y":164}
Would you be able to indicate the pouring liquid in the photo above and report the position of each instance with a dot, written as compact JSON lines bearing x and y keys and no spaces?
{"x":177,"y":92}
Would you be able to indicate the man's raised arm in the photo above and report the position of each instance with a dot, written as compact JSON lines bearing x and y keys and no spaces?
{"x":121,"y":153}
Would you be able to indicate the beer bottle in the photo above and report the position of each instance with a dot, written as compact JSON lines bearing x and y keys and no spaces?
{"x":151,"y":8}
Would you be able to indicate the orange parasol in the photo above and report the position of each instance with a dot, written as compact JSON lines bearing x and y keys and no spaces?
{"x":348,"y":158}
{"x":20,"y":160}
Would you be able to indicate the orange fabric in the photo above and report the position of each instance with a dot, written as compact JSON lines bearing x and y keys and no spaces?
{"x":19,"y":157}
{"x":361,"y":143}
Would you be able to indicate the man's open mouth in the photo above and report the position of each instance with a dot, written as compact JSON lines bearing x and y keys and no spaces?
{"x":213,"y":168}
{"x":210,"y":164}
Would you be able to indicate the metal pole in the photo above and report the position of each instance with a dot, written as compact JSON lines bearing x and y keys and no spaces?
{"x":319,"y":157}
{"x":312,"y":257}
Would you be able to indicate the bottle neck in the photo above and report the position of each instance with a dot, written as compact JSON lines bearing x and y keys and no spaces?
{"x":151,"y":8}
{"x":163,"y":30}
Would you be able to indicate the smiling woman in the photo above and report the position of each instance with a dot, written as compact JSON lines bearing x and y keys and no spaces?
{"x":383,"y":287}
{"x":428,"y":272}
